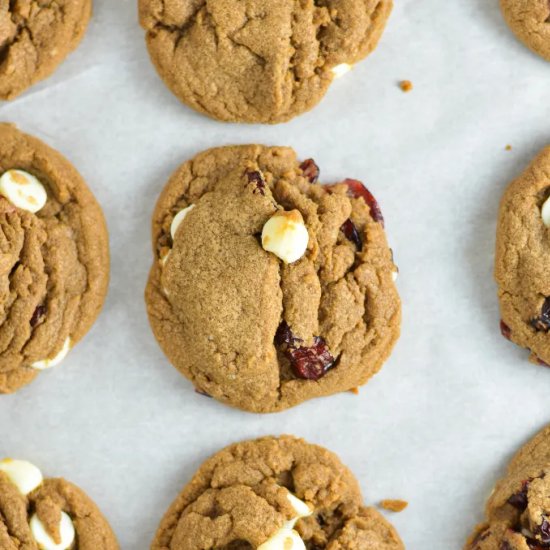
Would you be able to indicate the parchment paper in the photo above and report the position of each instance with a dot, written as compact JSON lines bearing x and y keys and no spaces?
{"x":438,"y":424}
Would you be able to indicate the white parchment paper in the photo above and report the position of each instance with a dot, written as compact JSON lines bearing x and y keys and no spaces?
{"x":438,"y":424}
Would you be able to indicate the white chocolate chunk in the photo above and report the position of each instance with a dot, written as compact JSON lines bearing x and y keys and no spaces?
{"x":341,"y":70}
{"x":178,"y":218}
{"x":43,"y":539}
{"x":286,"y":538}
{"x":24,"y":475}
{"x":394,"y":275}
{"x":23,"y":190}
{"x":285,"y":235}
{"x":545,"y":212}
{"x":49,"y":363}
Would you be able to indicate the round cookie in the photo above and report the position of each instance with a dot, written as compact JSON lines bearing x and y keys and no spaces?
{"x":518,"y":510}
{"x":54,"y":267}
{"x":47,"y":514}
{"x":243,"y":325}
{"x":260,"y":60}
{"x":252,"y":494}
{"x":35,"y":37}
{"x":530,"y":22}
{"x":521,"y":260}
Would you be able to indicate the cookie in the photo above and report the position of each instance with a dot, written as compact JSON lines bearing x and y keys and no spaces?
{"x":522,"y":256}
{"x":530,"y":22}
{"x":54,"y":262}
{"x":260,"y":60}
{"x":47,"y":514}
{"x":35,"y":37}
{"x":518,"y":513}
{"x":273,"y":494}
{"x":267,"y":288}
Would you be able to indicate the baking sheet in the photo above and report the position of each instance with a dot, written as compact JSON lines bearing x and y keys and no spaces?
{"x":438,"y":424}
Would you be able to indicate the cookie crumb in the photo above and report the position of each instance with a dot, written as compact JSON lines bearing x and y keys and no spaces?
{"x":406,"y":86}
{"x":394,"y":505}
{"x":508,"y":148}
{"x":355,"y":391}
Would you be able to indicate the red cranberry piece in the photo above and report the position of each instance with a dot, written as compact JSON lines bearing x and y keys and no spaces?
{"x":351,"y":233}
{"x":356,"y":189}
{"x":544,"y":531}
{"x":519,"y":500}
{"x":311,"y":170}
{"x":542,"y":322}
{"x":256,"y":178}
{"x":37,"y":316}
{"x":505,"y":330}
{"x":308,"y":363}
{"x":311,"y":363}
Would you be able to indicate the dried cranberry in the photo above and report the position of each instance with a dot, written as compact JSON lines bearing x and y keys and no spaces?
{"x":310,"y":170}
{"x":542,"y":322}
{"x":351,"y":233}
{"x":505,"y":330}
{"x":481,"y":536}
{"x":356,"y":189}
{"x":37,"y":316}
{"x":309,"y":363}
{"x":519,"y":500}
{"x":256,"y":178}
{"x":544,"y":531}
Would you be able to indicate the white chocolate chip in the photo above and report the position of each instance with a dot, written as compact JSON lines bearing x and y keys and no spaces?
{"x":24,"y":475}
{"x":49,"y":363}
{"x":286,"y":538}
{"x":285,"y":235}
{"x":545,"y":212}
{"x":178,"y":218}
{"x":341,"y":70}
{"x":394,"y":275}
{"x":23,"y":190}
{"x":43,"y":539}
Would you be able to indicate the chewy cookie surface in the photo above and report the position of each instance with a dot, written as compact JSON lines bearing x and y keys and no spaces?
{"x":54,"y":267}
{"x":522,"y":259}
{"x":257,"y":60}
{"x":273,"y":493}
{"x":246,"y":327}
{"x":530,"y":22}
{"x":518,"y":513}
{"x":35,"y":37}
{"x":47,"y":514}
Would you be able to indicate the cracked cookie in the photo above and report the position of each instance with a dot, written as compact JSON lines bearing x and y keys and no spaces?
{"x":268,"y":289}
{"x":47,"y":514}
{"x":522,"y":258}
{"x":518,"y":510}
{"x":258,"y":60}
{"x":273,"y":494}
{"x":54,"y":261}
{"x":35,"y":37}
{"x":530,"y":22}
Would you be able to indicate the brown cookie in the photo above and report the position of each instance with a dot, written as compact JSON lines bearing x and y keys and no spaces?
{"x":245,"y":496}
{"x":530,"y":21}
{"x":54,"y":263}
{"x":518,"y":510}
{"x":259,"y":60}
{"x":37,"y":513}
{"x":522,"y":259}
{"x":35,"y":37}
{"x":245,"y":326}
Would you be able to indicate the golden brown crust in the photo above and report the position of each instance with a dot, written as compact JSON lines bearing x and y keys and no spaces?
{"x":238,"y":499}
{"x":35,"y":37}
{"x":54,"y":271}
{"x":530,"y":22}
{"x":522,"y":256}
{"x":257,"y":61}
{"x":216,"y":305}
